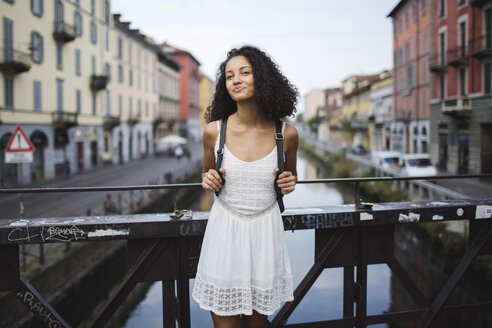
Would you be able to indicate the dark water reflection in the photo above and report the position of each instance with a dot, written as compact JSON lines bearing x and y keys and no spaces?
{"x":322,"y":302}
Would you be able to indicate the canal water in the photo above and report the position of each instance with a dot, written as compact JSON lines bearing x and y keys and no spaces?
{"x":323,"y":301}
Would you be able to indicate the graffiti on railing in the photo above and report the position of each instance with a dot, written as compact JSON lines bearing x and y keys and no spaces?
{"x":327,"y":220}
{"x":38,"y":308}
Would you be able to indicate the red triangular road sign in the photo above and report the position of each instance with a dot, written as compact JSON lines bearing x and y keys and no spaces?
{"x":19,"y":142}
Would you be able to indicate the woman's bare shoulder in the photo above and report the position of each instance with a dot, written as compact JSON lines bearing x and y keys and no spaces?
{"x":290,"y":132}
{"x":210,"y":132}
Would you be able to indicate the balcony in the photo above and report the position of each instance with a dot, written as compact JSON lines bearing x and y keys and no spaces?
{"x":63,"y":120}
{"x":478,"y":3}
{"x":64,"y":32}
{"x":110,"y":122}
{"x":481,"y":47}
{"x":99,"y":82}
{"x":133,"y":119}
{"x":14,"y":61}
{"x":457,"y":106}
{"x":458,"y":56}
{"x":438,"y":64}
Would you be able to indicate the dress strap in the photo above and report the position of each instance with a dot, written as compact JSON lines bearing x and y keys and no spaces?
{"x":283,"y":127}
{"x":218,"y":125}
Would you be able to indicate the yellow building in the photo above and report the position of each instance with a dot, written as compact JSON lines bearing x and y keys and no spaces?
{"x":206,"y":95}
{"x":350,"y":126}
{"x":55,"y":64}
{"x":382,"y":102}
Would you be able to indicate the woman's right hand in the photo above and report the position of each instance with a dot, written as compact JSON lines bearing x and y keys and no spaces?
{"x":211,"y":180}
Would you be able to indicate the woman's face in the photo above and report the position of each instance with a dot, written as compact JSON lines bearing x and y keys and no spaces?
{"x":239,"y":78}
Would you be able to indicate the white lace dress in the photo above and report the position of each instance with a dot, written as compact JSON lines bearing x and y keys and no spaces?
{"x":243,"y":263}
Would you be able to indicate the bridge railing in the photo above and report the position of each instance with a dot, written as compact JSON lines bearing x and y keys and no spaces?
{"x":164,"y":247}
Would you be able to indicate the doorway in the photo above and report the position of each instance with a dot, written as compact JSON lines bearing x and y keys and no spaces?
{"x":80,"y":156}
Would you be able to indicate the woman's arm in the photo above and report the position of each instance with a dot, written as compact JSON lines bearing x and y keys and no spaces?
{"x":287,"y":180}
{"x":210,"y":178}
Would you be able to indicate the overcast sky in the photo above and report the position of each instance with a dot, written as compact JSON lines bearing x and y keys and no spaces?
{"x":316,"y":43}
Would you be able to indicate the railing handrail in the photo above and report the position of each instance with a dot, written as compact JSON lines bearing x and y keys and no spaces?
{"x":198,"y":184}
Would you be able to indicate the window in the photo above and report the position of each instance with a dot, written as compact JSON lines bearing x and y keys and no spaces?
{"x":93,"y":7}
{"x":59,"y":95}
{"x":139,"y":108}
{"x":37,"y":7}
{"x":59,"y":56}
{"x":488,"y":27}
{"x":77,"y":61}
{"x":37,"y":96}
{"x":120,"y":73}
{"x":120,"y":104}
{"x":37,"y":52}
{"x":424,"y":71}
{"x":147,"y":109}
{"x":130,"y":53}
{"x":442,"y":48}
{"x":487,"y":77}
{"x":423,"y":7}
{"x":10,"y":1}
{"x":414,"y":12}
{"x":411,"y":75}
{"x":107,"y":12}
{"x":93,"y":65}
{"x":424,"y":105}
{"x":78,"y":101}
{"x":93,"y":32}
{"x":107,"y":39}
{"x":442,"y":85}
{"x":461,"y":3}
{"x":120,"y":48}
{"x":131,"y":77}
{"x":107,"y":71}
{"x":407,"y":52}
{"x":442,"y":8}
{"x":424,"y":41}
{"x":130,"y":107}
{"x":462,"y":81}
{"x":77,"y":3}
{"x":93,"y":94}
{"x":108,"y":103}
{"x":8,"y":82}
{"x":77,"y":22}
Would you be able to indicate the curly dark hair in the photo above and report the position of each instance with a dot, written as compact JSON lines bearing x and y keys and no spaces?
{"x":274,"y":95}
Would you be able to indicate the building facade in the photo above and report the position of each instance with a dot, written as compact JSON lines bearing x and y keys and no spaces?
{"x":189,"y":90}
{"x":167,"y":118}
{"x":55,"y":67}
{"x":380,"y":119}
{"x":410,"y":130}
{"x":461,"y":130}
{"x":135,"y":90}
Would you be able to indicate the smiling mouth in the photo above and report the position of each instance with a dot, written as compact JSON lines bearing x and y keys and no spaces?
{"x":238,"y":89}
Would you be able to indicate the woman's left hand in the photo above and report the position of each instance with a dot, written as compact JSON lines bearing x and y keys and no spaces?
{"x":286,"y":181}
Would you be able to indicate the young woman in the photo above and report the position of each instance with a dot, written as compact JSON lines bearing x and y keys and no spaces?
{"x":244,"y":272}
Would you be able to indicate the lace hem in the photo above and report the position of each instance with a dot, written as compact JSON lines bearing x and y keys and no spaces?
{"x":234,"y":301}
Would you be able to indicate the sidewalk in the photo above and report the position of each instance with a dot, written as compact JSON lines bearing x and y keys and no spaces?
{"x":150,"y":170}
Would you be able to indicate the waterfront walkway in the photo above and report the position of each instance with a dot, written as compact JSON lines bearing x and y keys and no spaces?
{"x":139,"y":172}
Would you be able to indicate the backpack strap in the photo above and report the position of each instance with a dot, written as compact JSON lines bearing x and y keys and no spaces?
{"x":279,"y":138}
{"x":220,"y":151}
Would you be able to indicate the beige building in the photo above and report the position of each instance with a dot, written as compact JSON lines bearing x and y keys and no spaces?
{"x":381,"y":106}
{"x":135,"y":90}
{"x":206,"y":95}
{"x":314,"y":104}
{"x":55,"y":66}
{"x":167,"y":118}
